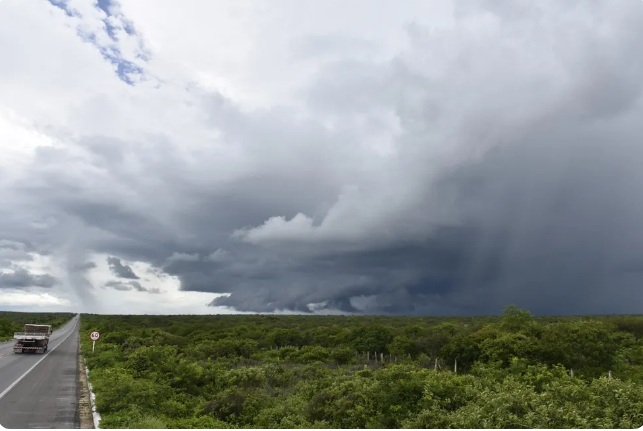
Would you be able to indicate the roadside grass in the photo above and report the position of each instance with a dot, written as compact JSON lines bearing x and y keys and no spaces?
{"x":13,"y":321}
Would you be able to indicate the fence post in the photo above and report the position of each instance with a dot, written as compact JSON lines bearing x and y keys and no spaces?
{"x":455,"y":366}
{"x":609,"y":374}
{"x":571,"y":372}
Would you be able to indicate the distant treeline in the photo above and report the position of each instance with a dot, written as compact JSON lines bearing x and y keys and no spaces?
{"x":14,"y":321}
{"x":232,"y":371}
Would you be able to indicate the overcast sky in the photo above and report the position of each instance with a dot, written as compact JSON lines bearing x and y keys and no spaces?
{"x":369,"y":156}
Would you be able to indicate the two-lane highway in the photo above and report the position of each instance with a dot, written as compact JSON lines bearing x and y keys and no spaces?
{"x":40,"y":391}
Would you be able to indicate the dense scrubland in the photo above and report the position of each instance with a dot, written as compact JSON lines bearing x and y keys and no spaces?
{"x":13,"y":321}
{"x":360,"y":372}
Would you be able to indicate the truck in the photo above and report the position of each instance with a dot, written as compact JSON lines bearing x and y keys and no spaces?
{"x":34,"y":338}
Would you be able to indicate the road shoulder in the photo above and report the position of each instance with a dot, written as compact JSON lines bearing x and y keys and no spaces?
{"x":84,"y":403}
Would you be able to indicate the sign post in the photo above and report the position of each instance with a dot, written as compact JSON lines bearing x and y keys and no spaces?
{"x":94,"y":336}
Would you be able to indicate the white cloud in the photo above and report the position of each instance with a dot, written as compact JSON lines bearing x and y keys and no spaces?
{"x":31,"y":300}
{"x":278,"y":228}
{"x":18,"y":143}
{"x":248,"y":50}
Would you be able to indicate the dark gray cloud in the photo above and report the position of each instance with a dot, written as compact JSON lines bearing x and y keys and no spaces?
{"x":14,"y":251}
{"x":491,"y":163}
{"x":117,"y":285}
{"x":120,"y":270}
{"x":22,"y":278}
{"x":82,"y":267}
{"x":130,"y":285}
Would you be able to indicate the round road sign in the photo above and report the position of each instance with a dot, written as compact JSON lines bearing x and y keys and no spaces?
{"x":94,"y":336}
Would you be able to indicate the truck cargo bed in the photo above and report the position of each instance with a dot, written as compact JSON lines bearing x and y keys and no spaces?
{"x":30,"y":336}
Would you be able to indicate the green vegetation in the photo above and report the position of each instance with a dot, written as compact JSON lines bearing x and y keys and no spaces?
{"x":13,"y":321}
{"x":315,"y":372}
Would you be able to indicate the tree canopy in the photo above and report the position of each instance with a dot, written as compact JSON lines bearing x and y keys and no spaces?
{"x":367,"y":372}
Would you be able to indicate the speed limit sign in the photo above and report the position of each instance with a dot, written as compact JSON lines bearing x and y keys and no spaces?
{"x":94,"y":336}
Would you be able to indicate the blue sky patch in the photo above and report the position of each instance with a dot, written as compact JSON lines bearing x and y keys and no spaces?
{"x":62,"y":5}
{"x":104,"y":5}
{"x":125,"y":69}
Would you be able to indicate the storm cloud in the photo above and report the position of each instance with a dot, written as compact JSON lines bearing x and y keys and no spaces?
{"x":13,"y":251}
{"x":412,"y":167}
{"x":120,"y":270}
{"x":82,"y":267}
{"x":23,"y":278}
{"x":130,"y":285}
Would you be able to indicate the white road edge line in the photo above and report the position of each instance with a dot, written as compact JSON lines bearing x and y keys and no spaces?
{"x":92,"y":401}
{"x":6,"y":391}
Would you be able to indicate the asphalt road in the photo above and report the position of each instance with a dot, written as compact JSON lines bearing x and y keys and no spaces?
{"x":40,"y":391}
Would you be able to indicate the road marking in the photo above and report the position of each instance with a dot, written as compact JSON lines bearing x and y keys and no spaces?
{"x":6,"y":391}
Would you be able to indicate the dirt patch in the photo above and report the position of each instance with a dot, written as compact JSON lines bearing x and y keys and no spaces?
{"x":84,"y":404}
